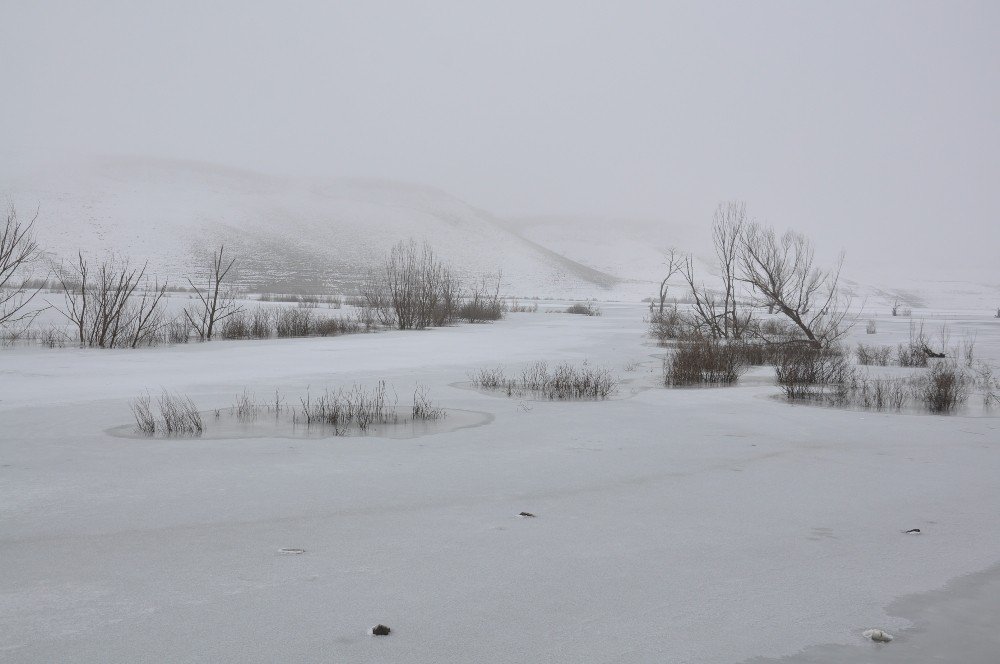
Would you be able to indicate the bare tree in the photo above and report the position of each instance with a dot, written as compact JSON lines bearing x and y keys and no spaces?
{"x":720,"y":314}
{"x":214,"y":303}
{"x":705,"y":310}
{"x":18,"y":251}
{"x":107,"y":307}
{"x":783,"y":275}
{"x":728,"y":226}
{"x":75,"y":286}
{"x":675,"y":263}
{"x":147,"y":315}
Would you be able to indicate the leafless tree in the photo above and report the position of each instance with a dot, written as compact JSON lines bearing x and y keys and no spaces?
{"x":720,"y":314}
{"x":107,"y":307}
{"x":781,"y":272}
{"x":675,"y":263}
{"x":18,"y":251}
{"x":214,"y":304}
{"x":727,"y":235}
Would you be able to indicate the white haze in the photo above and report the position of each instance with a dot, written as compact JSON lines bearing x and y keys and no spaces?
{"x":870,"y":126}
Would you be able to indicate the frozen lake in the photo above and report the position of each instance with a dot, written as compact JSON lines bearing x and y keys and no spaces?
{"x":711,"y":526}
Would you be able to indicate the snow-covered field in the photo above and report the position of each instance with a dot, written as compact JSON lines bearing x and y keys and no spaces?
{"x":685,"y":525}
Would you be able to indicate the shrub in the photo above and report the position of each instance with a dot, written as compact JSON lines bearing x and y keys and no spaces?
{"x":703,"y":361}
{"x":355,"y":407}
{"x":988,"y":383}
{"x":806,"y":372}
{"x":583,"y":308}
{"x":245,"y":408}
{"x":668,"y":325}
{"x":235,"y":327}
{"x":475,"y":311}
{"x":870,"y":328}
{"x":943,"y":388}
{"x":565,"y":381}
{"x":142,"y":410}
{"x":874,"y":355}
{"x":111,"y":304}
{"x":482,"y":303}
{"x":411,"y":289}
{"x":872,"y":393}
{"x":53,"y":337}
{"x":967,"y":351}
{"x":908,"y":355}
{"x":255,"y":324}
{"x":777,"y":330}
{"x":357,"y":301}
{"x":518,"y":308}
{"x":329,"y":327}
{"x":293,"y":322}
{"x":423,"y":407}
{"x":178,"y":415}
{"x":178,"y":331}
{"x":760,"y":353}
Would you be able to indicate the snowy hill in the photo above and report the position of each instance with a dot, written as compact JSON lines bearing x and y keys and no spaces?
{"x":289,"y":234}
{"x":295,"y":235}
{"x":632,"y":250}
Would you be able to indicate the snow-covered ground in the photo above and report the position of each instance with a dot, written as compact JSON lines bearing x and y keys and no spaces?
{"x":685,"y":525}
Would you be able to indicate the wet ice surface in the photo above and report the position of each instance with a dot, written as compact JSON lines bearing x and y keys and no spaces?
{"x":955,"y":624}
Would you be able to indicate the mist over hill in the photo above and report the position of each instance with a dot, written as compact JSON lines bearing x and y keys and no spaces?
{"x":289,"y":234}
{"x":317,"y":234}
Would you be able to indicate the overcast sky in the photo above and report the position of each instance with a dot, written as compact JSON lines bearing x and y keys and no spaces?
{"x":865,"y":118}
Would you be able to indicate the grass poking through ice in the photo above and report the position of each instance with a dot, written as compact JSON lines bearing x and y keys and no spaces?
{"x":178,"y":415}
{"x":565,"y":381}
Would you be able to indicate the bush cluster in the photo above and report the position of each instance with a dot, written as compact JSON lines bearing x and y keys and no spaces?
{"x":704,"y":361}
{"x":267,"y":322}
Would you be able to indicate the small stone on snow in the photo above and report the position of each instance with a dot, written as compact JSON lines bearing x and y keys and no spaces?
{"x":877,"y":635}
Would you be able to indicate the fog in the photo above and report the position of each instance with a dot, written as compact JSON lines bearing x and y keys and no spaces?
{"x":871,"y":126}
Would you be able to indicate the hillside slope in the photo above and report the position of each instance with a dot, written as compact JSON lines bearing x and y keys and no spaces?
{"x":288,"y":234}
